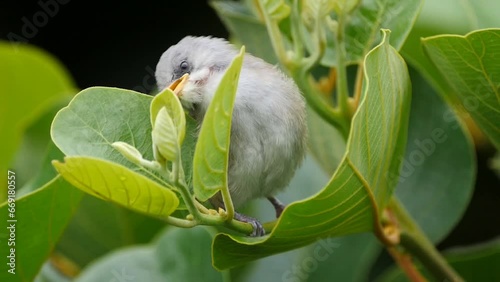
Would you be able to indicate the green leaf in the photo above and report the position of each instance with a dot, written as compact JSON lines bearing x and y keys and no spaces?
{"x":470,"y":65}
{"x":172,"y":257}
{"x":30,"y":81}
{"x":360,"y":187}
{"x":362,"y":30}
{"x":428,"y":187}
{"x":318,"y":9}
{"x":41,"y":218}
{"x":473,"y":263}
{"x":211,"y":155}
{"x":100,"y":116}
{"x":118,"y":184}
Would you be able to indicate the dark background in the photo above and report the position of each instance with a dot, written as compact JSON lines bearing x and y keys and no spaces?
{"x":108,"y":43}
{"x":118,"y":43}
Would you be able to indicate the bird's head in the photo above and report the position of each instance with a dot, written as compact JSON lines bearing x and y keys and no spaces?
{"x":204,"y":59}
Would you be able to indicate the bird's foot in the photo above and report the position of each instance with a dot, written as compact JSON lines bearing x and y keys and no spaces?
{"x":258,"y":229}
{"x":277,"y":204}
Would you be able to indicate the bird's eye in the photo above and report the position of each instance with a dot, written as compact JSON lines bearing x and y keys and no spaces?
{"x":184,"y":66}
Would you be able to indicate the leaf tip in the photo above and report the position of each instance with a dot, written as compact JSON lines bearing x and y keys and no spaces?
{"x":386,"y":35}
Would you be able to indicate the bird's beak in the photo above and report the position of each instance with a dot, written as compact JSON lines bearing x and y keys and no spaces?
{"x":178,"y":85}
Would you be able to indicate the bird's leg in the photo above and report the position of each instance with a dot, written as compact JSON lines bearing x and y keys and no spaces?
{"x":277,"y":204}
{"x":258,"y":229}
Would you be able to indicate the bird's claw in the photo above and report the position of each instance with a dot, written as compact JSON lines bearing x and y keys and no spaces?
{"x":258,"y":229}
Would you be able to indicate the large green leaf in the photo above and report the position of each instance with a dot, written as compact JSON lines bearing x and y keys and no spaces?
{"x":99,"y":116}
{"x":470,"y":65}
{"x":211,"y":155}
{"x":178,"y":255}
{"x":360,"y":188}
{"x":41,"y":218}
{"x":441,"y":17}
{"x":474,"y":263}
{"x":437,"y":177}
{"x":351,"y":260}
{"x":116,"y":183}
{"x":30,"y":80}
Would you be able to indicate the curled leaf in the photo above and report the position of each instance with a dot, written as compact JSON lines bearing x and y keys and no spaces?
{"x":169,"y":101}
{"x":165,"y":139}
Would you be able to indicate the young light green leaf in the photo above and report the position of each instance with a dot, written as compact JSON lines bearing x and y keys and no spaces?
{"x":345,"y":6}
{"x":470,"y":65}
{"x":211,"y":155}
{"x":276,"y":9}
{"x":317,"y":9}
{"x":128,"y":151}
{"x":361,"y":186}
{"x":165,"y":137}
{"x":167,"y":99}
{"x":434,"y":134}
{"x":118,"y":184}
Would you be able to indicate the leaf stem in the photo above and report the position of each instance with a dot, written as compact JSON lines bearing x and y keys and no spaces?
{"x":274,"y":32}
{"x":295,"y":26}
{"x":228,"y":204}
{"x":406,"y":264}
{"x":183,"y":223}
{"x":342,"y":89}
{"x":415,"y":242}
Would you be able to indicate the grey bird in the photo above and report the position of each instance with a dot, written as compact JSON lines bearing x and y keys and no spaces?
{"x":268,"y":132}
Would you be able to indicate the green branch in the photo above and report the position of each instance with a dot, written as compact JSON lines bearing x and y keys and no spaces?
{"x":416,"y":243}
